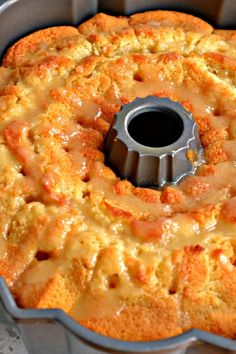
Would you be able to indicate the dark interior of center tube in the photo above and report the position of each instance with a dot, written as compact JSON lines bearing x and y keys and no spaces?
{"x":156,"y":128}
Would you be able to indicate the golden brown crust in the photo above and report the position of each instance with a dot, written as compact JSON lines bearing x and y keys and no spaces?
{"x":153,"y":31}
{"x":172,"y":19}
{"x":103,"y":23}
{"x":227,"y":35}
{"x":41,"y":42}
{"x":129,"y":262}
{"x":157,"y":315}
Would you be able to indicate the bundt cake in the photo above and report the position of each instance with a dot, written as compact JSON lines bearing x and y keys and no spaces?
{"x":128,"y":262}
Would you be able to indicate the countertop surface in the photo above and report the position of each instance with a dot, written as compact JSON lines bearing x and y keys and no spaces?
{"x":10,"y":340}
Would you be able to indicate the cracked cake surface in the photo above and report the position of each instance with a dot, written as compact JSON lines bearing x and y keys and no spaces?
{"x":128,"y":262}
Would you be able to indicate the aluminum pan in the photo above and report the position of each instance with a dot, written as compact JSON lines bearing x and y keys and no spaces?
{"x":106,"y":343}
{"x":20,"y":17}
{"x":74,"y":337}
{"x":219,"y":12}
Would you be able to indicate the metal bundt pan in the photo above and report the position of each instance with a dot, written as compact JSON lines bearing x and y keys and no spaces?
{"x":52,"y":331}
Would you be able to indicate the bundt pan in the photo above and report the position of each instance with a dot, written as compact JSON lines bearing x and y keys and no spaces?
{"x":52,"y":331}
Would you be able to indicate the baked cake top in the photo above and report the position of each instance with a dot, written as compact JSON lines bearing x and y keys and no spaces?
{"x":131,"y":263}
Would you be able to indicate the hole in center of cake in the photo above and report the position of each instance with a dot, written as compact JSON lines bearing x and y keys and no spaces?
{"x":156,"y":128}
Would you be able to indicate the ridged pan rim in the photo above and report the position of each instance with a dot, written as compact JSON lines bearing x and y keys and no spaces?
{"x":104,"y":342}
{"x":4,"y":4}
{"x":97,"y":340}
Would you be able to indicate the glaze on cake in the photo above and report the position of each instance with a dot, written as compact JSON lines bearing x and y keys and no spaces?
{"x":131,"y":263}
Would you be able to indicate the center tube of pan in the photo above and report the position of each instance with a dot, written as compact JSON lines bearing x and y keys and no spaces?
{"x":156,"y":128}
{"x":149,"y":142}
